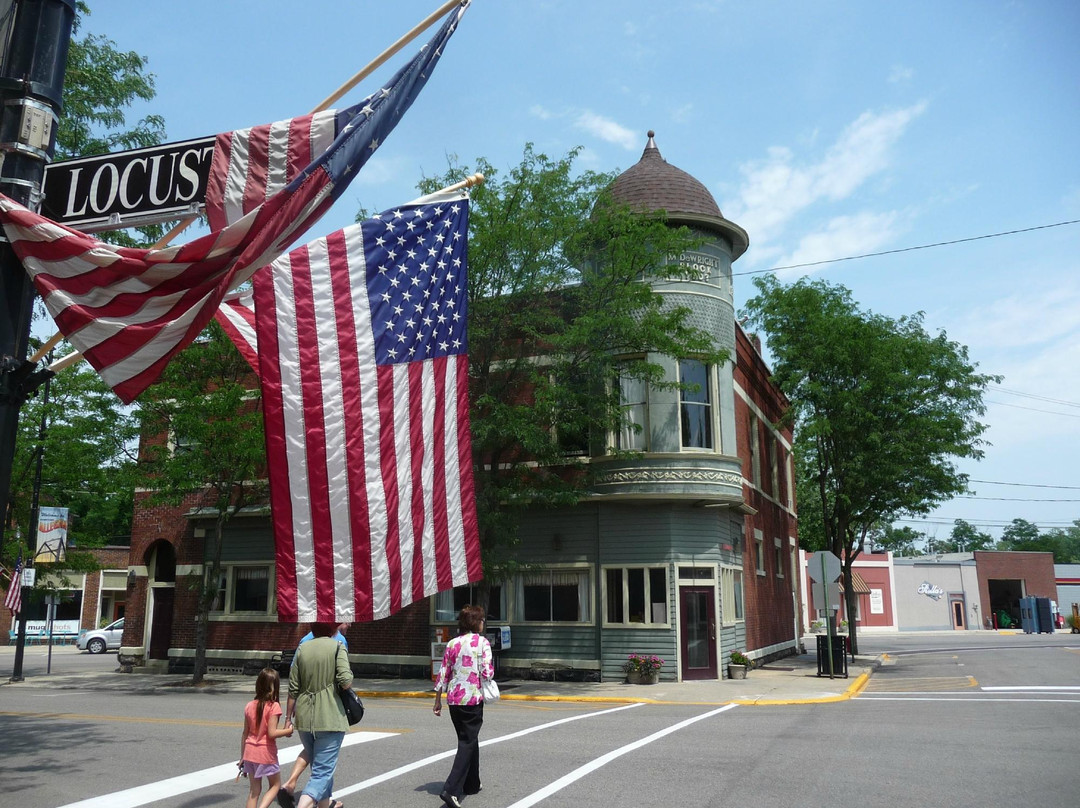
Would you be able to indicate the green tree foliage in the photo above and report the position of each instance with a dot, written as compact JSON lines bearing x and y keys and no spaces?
{"x":966,"y":538}
{"x":207,"y":430}
{"x":556,"y":271}
{"x":881,"y":408}
{"x":87,"y":462}
{"x":1021,"y":534}
{"x":900,"y":541}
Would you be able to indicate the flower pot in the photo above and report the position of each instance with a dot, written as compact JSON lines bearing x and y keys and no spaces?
{"x":736,"y":671}
{"x":643,"y":677}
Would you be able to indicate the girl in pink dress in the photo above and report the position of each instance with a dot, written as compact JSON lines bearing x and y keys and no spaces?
{"x":258,"y":744}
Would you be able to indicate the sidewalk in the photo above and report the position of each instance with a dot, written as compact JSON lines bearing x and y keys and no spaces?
{"x":792,"y":680}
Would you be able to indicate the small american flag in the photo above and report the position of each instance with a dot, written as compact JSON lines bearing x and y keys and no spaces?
{"x":129,"y":311}
{"x":362,"y":347}
{"x":14,"y":594}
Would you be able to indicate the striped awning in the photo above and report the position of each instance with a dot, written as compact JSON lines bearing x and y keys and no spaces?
{"x":857,"y":583}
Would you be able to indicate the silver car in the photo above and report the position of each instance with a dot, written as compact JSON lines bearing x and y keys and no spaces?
{"x":102,"y":639}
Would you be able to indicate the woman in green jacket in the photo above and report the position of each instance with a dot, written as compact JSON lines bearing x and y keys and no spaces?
{"x":319,"y":668}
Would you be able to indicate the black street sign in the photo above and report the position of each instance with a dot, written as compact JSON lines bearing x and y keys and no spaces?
{"x":129,"y":188}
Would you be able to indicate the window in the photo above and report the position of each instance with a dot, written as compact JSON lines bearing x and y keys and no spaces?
{"x":554,"y":596}
{"x":778,"y":557}
{"x":244,"y":589}
{"x":759,"y":552}
{"x":695,"y":405}
{"x":755,"y":451}
{"x":449,"y":602}
{"x":636,"y":596}
{"x":732,"y":593}
{"x":633,"y":397}
{"x":774,"y":467}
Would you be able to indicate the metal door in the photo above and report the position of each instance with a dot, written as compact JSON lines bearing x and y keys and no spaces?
{"x":697,"y":628}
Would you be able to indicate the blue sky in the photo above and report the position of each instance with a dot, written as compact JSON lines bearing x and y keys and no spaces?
{"x":826,"y":130}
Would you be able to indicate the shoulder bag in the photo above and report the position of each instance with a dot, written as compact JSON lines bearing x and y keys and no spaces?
{"x":354,"y":708}
{"x":489,"y":687}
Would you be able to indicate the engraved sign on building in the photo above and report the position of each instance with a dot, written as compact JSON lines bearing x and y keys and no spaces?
{"x":705,"y":267}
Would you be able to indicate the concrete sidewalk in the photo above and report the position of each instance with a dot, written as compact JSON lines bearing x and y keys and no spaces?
{"x":792,"y":680}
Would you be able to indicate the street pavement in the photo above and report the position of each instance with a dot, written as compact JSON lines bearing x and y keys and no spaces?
{"x":791,"y":680}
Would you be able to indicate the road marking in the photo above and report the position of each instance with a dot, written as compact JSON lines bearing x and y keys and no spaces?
{"x":1036,"y":688}
{"x":873,"y":697}
{"x":419,"y":764}
{"x":193,"y":781}
{"x":603,"y":760}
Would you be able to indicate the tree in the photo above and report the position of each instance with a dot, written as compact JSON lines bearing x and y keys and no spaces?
{"x":556,"y":271}
{"x":207,"y":421}
{"x":1021,"y":534}
{"x":881,"y":409}
{"x":901,"y":541}
{"x":966,"y":538}
{"x":1065,"y":543}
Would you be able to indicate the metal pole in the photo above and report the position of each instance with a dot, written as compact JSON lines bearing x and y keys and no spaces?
{"x":33,"y":55}
{"x":828,"y":612}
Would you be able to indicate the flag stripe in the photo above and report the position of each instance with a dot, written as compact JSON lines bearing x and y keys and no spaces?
{"x":380,"y":491}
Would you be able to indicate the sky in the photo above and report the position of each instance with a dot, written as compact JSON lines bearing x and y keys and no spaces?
{"x":826,"y":130}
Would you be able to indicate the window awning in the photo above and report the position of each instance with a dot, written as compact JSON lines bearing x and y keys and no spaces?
{"x":857,"y":584}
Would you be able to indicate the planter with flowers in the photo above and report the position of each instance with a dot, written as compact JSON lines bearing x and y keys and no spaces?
{"x":643,"y":669}
{"x":738,"y":665}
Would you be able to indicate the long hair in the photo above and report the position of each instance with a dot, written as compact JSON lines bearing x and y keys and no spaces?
{"x":470,"y":619}
{"x":267,"y":690}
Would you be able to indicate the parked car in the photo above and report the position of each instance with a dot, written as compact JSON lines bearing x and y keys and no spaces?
{"x":103,"y":639}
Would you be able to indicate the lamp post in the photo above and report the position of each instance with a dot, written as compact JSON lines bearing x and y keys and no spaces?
{"x":34,"y":39}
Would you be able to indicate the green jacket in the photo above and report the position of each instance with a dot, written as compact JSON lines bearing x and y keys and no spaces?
{"x":319,"y":667}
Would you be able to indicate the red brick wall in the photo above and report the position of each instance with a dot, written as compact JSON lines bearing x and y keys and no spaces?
{"x":1035,"y":569}
{"x":770,"y":608}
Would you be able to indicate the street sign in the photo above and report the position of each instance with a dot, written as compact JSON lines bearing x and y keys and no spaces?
{"x":826,"y":595}
{"x":823,"y":566}
{"x":129,"y":188}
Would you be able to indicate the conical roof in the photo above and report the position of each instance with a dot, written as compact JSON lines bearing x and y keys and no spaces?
{"x":654,"y":184}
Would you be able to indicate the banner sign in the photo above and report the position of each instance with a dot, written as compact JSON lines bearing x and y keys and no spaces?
{"x":52,"y":533}
{"x":128,"y":188}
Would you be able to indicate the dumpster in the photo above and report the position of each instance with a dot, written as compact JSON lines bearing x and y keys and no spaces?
{"x":839,"y":655}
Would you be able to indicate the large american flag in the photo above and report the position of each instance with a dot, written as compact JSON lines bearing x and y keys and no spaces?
{"x":362,"y":347}
{"x":14,"y":594}
{"x":129,"y":311}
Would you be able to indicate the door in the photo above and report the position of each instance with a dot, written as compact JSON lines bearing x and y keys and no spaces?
{"x":957,"y":606}
{"x":697,"y":627}
{"x":161,"y":622}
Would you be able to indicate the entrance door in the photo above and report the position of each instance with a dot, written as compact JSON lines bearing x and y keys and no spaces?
{"x":957,"y":607}
{"x":697,"y":624}
{"x":161,"y":622}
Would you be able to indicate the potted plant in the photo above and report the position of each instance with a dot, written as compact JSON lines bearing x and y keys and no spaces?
{"x":643,"y":669}
{"x":817,"y":626}
{"x":738,"y":665}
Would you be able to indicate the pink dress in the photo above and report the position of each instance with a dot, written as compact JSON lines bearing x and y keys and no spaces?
{"x":467,"y":658}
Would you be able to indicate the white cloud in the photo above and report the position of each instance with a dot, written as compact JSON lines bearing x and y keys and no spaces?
{"x":607,"y":130}
{"x":776,"y":188}
{"x":843,"y":236}
{"x":540,"y":112}
{"x":900,"y":74}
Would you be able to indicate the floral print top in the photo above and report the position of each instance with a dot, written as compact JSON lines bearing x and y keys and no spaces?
{"x":459,"y":677}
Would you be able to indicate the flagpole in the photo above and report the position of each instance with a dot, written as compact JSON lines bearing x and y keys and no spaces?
{"x":389,"y":52}
{"x":184,"y":224}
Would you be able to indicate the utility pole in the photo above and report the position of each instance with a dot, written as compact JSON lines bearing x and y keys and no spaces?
{"x":34,"y":39}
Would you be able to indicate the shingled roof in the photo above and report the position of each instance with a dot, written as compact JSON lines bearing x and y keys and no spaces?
{"x":654,"y":184}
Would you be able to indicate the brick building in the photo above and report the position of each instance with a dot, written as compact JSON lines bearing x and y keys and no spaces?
{"x":688,"y":550}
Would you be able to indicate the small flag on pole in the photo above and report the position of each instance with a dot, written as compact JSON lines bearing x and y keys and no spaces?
{"x":14,"y":594}
{"x":362,"y":348}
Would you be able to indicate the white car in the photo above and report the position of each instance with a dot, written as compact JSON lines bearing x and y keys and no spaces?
{"x":102,"y":639}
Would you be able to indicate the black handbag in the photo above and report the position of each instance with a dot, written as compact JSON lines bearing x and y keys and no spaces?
{"x":354,"y":708}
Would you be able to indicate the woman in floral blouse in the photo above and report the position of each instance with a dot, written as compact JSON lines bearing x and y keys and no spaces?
{"x":466,"y":661}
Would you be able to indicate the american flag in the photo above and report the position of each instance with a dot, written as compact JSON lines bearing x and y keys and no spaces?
{"x":362,"y":347}
{"x":129,"y":311}
{"x":237,"y":318}
{"x":14,"y":594}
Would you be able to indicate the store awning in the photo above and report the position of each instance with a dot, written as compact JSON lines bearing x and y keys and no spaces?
{"x":857,"y":583}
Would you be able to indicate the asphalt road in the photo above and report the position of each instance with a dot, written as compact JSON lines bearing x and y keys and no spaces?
{"x":958,"y":720}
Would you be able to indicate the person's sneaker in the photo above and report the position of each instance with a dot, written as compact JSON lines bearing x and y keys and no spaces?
{"x":450,"y":800}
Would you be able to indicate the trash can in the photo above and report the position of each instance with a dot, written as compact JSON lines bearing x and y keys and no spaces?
{"x":839,"y":656}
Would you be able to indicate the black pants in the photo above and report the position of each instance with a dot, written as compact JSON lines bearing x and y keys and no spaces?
{"x":464,"y":775}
